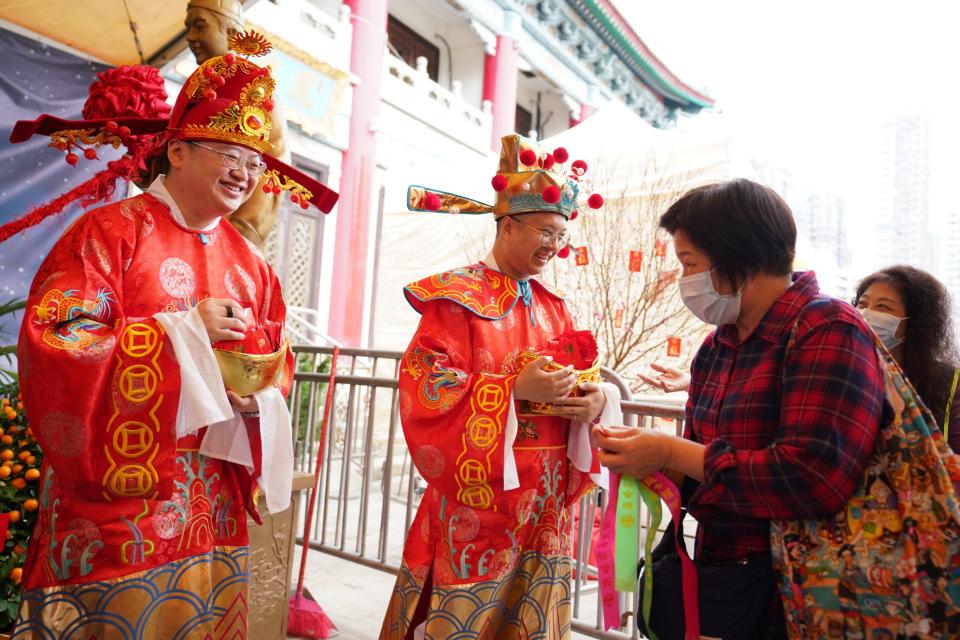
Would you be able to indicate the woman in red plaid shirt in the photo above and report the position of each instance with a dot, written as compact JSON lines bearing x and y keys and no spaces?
{"x":786,"y":399}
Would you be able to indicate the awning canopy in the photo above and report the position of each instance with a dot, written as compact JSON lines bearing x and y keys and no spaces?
{"x":117,"y":32}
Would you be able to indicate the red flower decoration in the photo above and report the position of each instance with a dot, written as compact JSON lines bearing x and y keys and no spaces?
{"x":528,"y":157}
{"x":580,"y":165}
{"x":546,"y":161}
{"x":564,"y":253}
{"x":573,"y":216}
{"x":499,"y":182}
{"x":432,"y":202}
{"x":595,"y":201}
{"x":551,"y":194}
{"x":560,"y":155}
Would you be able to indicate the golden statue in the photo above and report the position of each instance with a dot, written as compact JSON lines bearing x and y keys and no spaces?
{"x":209,"y":23}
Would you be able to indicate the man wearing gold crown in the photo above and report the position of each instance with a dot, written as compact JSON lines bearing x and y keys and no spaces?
{"x":152,"y":446}
{"x":486,"y":408}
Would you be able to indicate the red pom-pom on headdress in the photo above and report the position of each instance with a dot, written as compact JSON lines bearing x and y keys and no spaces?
{"x":528,"y":157}
{"x":560,"y":155}
{"x":499,"y":182}
{"x":546,"y":161}
{"x":432,"y":202}
{"x":564,"y":253}
{"x":551,"y":194}
{"x":580,"y":166}
{"x":595,"y":201}
{"x":573,"y":216}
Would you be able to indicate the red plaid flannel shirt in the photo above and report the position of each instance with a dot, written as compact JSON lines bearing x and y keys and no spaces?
{"x":788,"y":431}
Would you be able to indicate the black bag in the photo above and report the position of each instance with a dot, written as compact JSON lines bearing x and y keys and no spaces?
{"x":734,"y":596}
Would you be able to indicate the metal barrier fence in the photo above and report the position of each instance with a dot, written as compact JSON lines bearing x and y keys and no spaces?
{"x":369,"y":488}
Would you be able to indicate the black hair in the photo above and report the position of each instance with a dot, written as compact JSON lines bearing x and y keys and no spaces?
{"x":743,"y":227}
{"x":929,"y":350}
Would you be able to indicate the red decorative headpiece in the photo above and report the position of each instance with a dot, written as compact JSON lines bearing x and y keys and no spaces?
{"x":227,"y":99}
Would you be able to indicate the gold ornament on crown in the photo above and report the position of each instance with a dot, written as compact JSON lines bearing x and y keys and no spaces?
{"x":249,"y":43}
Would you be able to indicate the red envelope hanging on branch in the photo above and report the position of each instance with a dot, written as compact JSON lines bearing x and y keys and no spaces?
{"x":673,"y":347}
{"x":636,"y":261}
{"x":583,"y":259}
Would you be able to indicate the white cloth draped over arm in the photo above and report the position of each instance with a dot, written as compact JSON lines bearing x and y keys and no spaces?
{"x":579,"y":441}
{"x":204,"y":402}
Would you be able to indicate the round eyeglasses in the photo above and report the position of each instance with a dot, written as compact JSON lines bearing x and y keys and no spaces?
{"x":255,"y":168}
{"x":547,"y":237}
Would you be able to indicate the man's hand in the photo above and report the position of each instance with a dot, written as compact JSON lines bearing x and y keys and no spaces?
{"x":668,"y":378}
{"x":583,"y":409}
{"x":536,"y":385}
{"x":243,"y":404}
{"x":631,"y":450}
{"x":222,"y":319}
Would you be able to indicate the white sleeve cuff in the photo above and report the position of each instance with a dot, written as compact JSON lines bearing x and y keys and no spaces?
{"x":511,"y":479}
{"x":203,"y":398}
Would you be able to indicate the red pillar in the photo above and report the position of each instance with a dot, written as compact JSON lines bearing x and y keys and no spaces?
{"x":348,"y":299}
{"x":500,"y":72}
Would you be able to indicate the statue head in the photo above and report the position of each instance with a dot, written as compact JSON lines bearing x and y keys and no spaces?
{"x":209,"y":23}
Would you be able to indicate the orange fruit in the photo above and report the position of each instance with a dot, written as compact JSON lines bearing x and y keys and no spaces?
{"x":5,"y":402}
{"x":14,"y":516}
{"x":12,"y":430}
{"x":17,"y":469}
{"x":6,"y":454}
{"x":18,"y":483}
{"x":30,"y":504}
{"x":7,"y":439}
{"x":4,"y":472}
{"x":16,"y":575}
{"x":32,"y":474}
{"x":20,"y":549}
{"x":23,"y":455}
{"x":32,"y":461}
{"x":23,"y":444}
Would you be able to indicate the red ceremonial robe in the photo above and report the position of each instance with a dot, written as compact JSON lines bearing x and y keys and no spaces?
{"x":496,"y":562}
{"x":138,"y":536}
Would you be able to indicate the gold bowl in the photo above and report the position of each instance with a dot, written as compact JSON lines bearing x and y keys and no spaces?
{"x":545,"y":408}
{"x":248,"y":373}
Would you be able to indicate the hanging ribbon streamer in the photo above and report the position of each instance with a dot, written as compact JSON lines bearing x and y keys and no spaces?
{"x":664,"y":489}
{"x":628,"y":534}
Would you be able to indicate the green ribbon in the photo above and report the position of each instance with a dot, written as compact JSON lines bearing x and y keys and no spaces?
{"x":652,"y":500}
{"x":628,"y":534}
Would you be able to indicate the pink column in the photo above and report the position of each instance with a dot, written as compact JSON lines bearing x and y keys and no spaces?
{"x":500,"y":72}
{"x":348,"y":300}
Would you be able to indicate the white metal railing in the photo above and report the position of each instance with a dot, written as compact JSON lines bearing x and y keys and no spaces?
{"x":369,"y":488}
{"x":411,"y":90}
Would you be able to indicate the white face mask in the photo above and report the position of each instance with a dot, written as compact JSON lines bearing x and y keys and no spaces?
{"x":885,"y":326}
{"x":700,"y":296}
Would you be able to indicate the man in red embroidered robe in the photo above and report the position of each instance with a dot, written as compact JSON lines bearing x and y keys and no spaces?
{"x":149,"y":461}
{"x":488,"y":554}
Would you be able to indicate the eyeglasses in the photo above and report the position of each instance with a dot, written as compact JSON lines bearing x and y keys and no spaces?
{"x":547,"y":238}
{"x":255,"y":168}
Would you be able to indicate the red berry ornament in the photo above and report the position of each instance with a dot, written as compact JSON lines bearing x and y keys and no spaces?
{"x":90,"y":154}
{"x":499,"y":182}
{"x":230,"y":58}
{"x":294,"y":198}
{"x":72,"y":159}
{"x":210,"y":94}
{"x":208,"y":72}
{"x":304,"y":204}
{"x":123,"y":132}
{"x":595,"y":201}
{"x":560,"y":155}
{"x":528,"y":157}
{"x":111,"y":126}
{"x":219,"y":81}
{"x":267,"y":189}
{"x":551,"y":195}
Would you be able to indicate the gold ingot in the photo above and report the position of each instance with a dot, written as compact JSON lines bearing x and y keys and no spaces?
{"x":248,"y":373}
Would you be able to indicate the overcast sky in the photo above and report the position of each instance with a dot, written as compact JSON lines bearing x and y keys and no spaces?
{"x":805,"y":84}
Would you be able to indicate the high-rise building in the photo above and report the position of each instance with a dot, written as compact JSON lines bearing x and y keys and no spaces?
{"x":903,"y":221}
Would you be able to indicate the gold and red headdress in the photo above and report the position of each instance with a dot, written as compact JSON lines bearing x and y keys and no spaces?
{"x":228,"y":99}
{"x":529,"y":180}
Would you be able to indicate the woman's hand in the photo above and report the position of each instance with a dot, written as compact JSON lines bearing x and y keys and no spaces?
{"x":667,"y":379}
{"x":536,"y":385}
{"x":583,"y":409}
{"x":222,"y":319}
{"x":631,"y":450}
